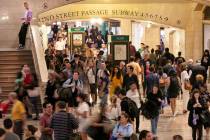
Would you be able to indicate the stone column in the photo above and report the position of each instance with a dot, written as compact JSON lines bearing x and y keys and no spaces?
{"x":194,"y":36}
{"x":126,"y":27}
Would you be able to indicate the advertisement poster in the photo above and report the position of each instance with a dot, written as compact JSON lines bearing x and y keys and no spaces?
{"x":120,"y":52}
{"x":77,"y":39}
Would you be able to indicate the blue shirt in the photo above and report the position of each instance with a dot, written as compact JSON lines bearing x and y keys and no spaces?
{"x":125,"y":131}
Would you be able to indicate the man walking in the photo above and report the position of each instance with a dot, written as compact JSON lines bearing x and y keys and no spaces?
{"x":24,"y":28}
{"x":63,"y":123}
{"x":18,"y":115}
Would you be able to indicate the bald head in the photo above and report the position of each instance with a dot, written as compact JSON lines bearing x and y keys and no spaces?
{"x":12,"y":96}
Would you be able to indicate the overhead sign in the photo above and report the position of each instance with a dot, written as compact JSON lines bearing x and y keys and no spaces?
{"x":77,"y":29}
{"x":120,"y":38}
{"x":178,"y":14}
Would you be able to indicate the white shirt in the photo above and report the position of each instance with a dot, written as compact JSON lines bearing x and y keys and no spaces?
{"x":91,"y":76}
{"x":134,"y":95}
{"x":184,"y":76}
{"x":60,"y":45}
{"x":113,"y":112}
{"x":83,"y":107}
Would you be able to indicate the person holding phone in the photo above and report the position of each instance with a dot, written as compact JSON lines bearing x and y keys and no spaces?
{"x":195,"y":106}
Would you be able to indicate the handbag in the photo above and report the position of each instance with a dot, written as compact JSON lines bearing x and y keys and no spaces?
{"x":204,"y":116}
{"x":55,"y":95}
{"x":187,"y":85}
{"x":75,"y":135}
{"x":162,"y":82}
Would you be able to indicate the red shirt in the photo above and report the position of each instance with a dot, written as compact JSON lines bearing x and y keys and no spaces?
{"x":28,"y":79}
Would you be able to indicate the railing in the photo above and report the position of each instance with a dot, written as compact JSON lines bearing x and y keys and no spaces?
{"x":38,"y":57}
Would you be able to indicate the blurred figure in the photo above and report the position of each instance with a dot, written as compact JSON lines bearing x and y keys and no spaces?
{"x":51,"y":88}
{"x":179,"y":59}
{"x":10,"y":135}
{"x":132,"y":49}
{"x":113,"y":110}
{"x":205,"y":61}
{"x":103,"y":87}
{"x":82,"y":112}
{"x":46,"y":131}
{"x":2,"y":134}
{"x":155,"y":97}
{"x":91,"y":75}
{"x":145,"y":135}
{"x":30,"y":132}
{"x":134,"y":95}
{"x":18,"y":114}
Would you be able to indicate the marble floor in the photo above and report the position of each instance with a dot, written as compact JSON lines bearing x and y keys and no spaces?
{"x":167,"y":126}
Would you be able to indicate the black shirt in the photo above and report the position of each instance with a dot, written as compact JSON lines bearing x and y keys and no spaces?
{"x":128,"y":79}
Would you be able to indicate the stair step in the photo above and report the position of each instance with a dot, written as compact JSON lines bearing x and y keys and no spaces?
{"x":11,"y":61}
{"x":15,"y":52}
{"x":15,"y":58}
{"x":8,"y":74}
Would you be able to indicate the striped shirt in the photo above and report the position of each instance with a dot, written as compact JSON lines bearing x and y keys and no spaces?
{"x":63,"y":125}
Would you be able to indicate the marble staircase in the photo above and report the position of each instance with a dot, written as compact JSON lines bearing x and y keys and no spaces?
{"x":11,"y":61}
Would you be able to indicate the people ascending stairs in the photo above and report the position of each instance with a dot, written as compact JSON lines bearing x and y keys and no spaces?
{"x":26,"y":22}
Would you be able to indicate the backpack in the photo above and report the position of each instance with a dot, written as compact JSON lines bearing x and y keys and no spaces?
{"x":133,"y":110}
{"x":149,"y":110}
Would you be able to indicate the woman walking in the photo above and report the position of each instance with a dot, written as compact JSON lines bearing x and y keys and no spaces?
{"x":195,"y":106}
{"x":116,"y":80}
{"x":155,"y":97}
{"x":174,"y":87}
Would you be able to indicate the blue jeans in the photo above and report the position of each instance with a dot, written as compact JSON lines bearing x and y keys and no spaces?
{"x":154,"y":124}
{"x":104,"y":99}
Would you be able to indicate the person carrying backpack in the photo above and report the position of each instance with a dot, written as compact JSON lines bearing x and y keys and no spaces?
{"x":128,"y":106}
{"x":134,"y":95}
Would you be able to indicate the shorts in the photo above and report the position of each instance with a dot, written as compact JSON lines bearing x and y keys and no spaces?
{"x":93,"y":88}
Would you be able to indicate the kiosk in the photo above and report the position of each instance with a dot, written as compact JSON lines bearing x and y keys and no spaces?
{"x":76,"y":37}
{"x":119,"y":48}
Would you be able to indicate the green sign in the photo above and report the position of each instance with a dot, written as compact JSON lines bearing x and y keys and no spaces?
{"x":77,"y":29}
{"x":120,"y":38}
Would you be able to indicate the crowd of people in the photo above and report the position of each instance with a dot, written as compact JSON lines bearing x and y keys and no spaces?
{"x":88,"y":96}
{"x":92,"y":98}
